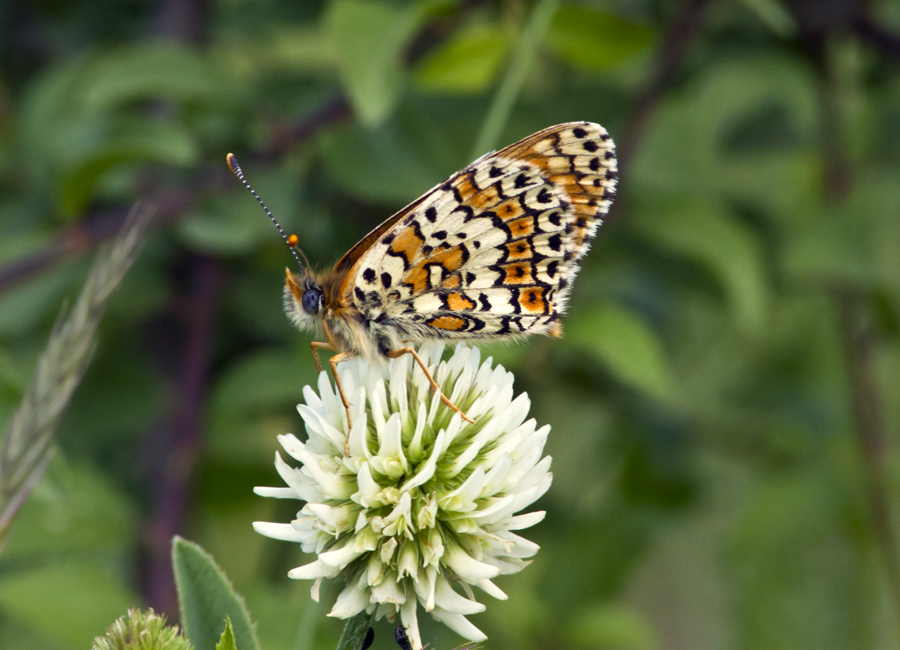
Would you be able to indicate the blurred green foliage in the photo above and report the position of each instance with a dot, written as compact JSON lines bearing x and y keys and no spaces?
{"x":724,"y":406}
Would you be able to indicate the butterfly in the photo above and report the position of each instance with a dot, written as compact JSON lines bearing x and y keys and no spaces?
{"x":488,"y":254}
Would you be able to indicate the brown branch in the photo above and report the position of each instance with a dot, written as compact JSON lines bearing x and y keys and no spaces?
{"x":85,"y":236}
{"x":859,"y":350}
{"x":876,"y":36}
{"x":669,"y":58}
{"x":857,"y":336}
{"x":179,"y":441}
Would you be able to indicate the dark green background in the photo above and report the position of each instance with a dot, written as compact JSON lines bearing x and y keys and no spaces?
{"x":724,"y":403}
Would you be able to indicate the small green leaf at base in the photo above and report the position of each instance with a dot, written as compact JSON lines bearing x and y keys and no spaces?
{"x":227,"y":640}
{"x":206,"y":598}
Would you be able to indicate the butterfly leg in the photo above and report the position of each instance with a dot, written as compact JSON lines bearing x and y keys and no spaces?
{"x":399,"y":352}
{"x":315,"y":346}
{"x":333,"y":361}
{"x":336,"y":359}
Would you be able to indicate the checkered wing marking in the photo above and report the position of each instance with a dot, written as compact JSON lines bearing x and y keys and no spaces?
{"x":491,"y":252}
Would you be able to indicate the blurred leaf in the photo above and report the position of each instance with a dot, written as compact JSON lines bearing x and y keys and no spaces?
{"x":140,"y":141}
{"x":50,"y":122}
{"x":206,"y":598}
{"x":264,"y":379}
{"x":467,"y":62}
{"x":368,"y":40}
{"x":254,"y":401}
{"x":595,"y":39}
{"x":225,"y":225}
{"x":827,"y":246}
{"x":26,"y":305}
{"x":774,"y":15}
{"x":152,"y":71}
{"x":690,"y":142}
{"x":378,"y":165}
{"x":302,"y":48}
{"x":74,"y":508}
{"x":226,"y":642}
{"x":611,"y":626}
{"x":796,"y":557}
{"x":69,"y":602}
{"x":854,"y":241}
{"x":625,"y":344}
{"x":731,"y":251}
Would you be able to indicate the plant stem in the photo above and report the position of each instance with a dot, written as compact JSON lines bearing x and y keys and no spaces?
{"x":511,"y":85}
{"x":26,"y":448}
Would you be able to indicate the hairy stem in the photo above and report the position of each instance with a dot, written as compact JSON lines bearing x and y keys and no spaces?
{"x":26,"y":447}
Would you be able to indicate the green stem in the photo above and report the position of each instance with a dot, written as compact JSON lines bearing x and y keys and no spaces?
{"x":511,"y":85}
{"x":355,"y":632}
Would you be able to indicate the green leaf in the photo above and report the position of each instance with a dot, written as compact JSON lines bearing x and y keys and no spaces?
{"x":226,"y":226}
{"x":226,"y":642}
{"x":70,"y":603}
{"x":854,"y":241}
{"x":355,"y":631}
{"x":378,"y":165}
{"x":261,"y":380}
{"x":51,"y":123}
{"x":466,"y":63}
{"x":152,"y":71}
{"x":594,"y":39}
{"x":730,"y":250}
{"x":773,"y":15}
{"x":37,"y":299}
{"x":74,"y":509}
{"x":687,"y":144}
{"x":206,"y":598}
{"x":140,"y":141}
{"x":368,"y":40}
{"x":625,"y":344}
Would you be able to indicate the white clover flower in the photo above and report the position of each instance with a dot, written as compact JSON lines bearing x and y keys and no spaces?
{"x":425,"y":502}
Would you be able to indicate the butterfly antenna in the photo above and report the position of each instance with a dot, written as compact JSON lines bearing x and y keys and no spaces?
{"x":291,"y":240}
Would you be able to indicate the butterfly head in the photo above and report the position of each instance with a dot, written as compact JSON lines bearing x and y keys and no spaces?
{"x":304,"y":299}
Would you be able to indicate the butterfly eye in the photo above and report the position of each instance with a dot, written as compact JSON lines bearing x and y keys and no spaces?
{"x":312,"y":301}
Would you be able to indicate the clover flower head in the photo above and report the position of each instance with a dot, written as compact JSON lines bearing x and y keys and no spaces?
{"x":423,"y":508}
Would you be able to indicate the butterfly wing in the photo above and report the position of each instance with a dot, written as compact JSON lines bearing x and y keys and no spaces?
{"x":492,"y":251}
